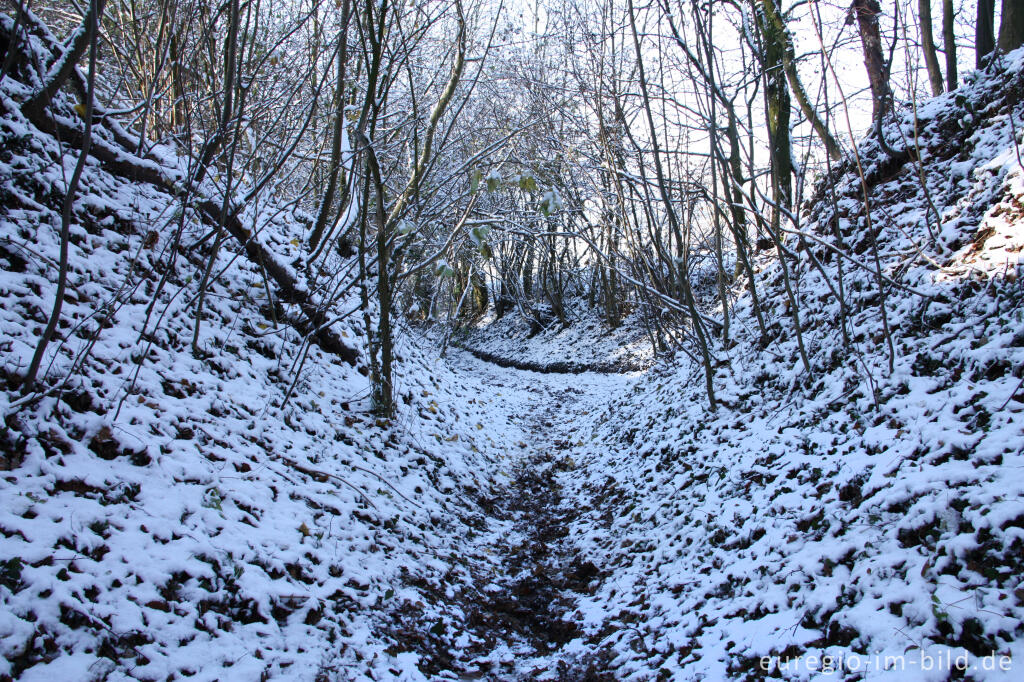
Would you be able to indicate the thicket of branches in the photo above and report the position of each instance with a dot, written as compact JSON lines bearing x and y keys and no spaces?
{"x":462,"y":156}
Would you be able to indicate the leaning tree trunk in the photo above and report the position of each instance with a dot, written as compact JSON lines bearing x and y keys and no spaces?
{"x":773,"y":17}
{"x":90,"y":31}
{"x":866,"y":12}
{"x":118,"y":157}
{"x":66,"y":63}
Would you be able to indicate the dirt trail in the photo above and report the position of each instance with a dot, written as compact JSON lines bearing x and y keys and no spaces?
{"x":536,"y":572}
{"x":519,"y":582}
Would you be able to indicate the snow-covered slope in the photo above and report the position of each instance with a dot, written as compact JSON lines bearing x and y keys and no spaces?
{"x":234,"y":516}
{"x":864,"y":511}
{"x":585,"y":344}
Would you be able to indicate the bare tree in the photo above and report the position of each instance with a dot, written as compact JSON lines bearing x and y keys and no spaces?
{"x":696,"y":321}
{"x":87,"y":37}
{"x":339,"y":134}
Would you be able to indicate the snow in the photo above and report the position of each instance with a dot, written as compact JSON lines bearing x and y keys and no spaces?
{"x":811,"y":519}
{"x":169,"y":516}
{"x":585,"y":343}
{"x":166,"y":516}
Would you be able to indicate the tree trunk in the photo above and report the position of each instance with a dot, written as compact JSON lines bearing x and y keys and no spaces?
{"x":722,"y":277}
{"x":924,"y":12}
{"x":985,"y":31}
{"x":384,"y":395}
{"x":480,"y":294}
{"x":949,"y":43}
{"x":866,"y":13}
{"x":778,"y":108}
{"x":527,"y":275}
{"x":774,"y":17}
{"x":90,"y":31}
{"x":65,"y":65}
{"x":178,"y":110}
{"x":733,"y":175}
{"x":216,"y":141}
{"x":1011,"y":27}
{"x":501,"y":299}
{"x":327,"y":205}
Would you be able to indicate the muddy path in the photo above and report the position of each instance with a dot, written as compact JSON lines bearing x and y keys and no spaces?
{"x":524,"y":575}
{"x":525,"y":607}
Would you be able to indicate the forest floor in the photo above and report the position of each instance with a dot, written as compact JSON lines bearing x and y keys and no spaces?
{"x":526,"y":574}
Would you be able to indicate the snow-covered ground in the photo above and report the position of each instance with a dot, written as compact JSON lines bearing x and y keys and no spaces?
{"x":237,"y":515}
{"x":585,"y":344}
{"x":242,"y":516}
{"x":865,"y":521}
